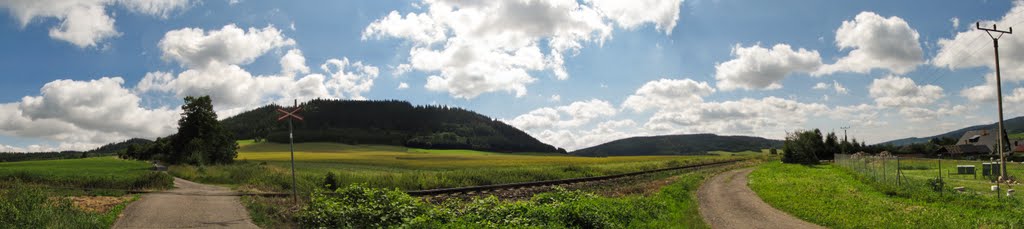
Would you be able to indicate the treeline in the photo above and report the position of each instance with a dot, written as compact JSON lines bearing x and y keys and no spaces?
{"x":387,"y":122}
{"x":810,"y":146}
{"x":201,"y":139}
{"x":105,"y":150}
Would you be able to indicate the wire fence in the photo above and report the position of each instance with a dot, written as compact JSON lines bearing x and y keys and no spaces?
{"x":884,"y":169}
{"x":893,"y":173}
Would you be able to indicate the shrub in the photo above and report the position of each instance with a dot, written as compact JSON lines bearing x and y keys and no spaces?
{"x":356,"y":206}
{"x":330,"y":181}
{"x":25,"y":207}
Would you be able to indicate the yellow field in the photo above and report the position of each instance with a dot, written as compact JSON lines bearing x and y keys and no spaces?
{"x":267,"y":166}
{"x":401,"y":157}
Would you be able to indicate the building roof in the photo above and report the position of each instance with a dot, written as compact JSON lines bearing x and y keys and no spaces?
{"x":959,"y":150}
{"x":986,"y":137}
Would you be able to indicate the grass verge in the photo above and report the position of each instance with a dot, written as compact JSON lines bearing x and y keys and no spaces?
{"x":837,"y":198}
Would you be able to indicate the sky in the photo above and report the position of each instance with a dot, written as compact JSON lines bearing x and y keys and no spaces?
{"x":75,"y":75}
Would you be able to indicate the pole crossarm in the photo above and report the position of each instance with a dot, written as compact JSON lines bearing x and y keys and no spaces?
{"x":292,"y":114}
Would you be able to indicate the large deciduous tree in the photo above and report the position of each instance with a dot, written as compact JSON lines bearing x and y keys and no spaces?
{"x":803,"y":147}
{"x":200,"y":138}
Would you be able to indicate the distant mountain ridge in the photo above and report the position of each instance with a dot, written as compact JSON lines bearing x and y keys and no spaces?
{"x":690,"y":144}
{"x":1013,"y":125}
{"x":388,"y":122}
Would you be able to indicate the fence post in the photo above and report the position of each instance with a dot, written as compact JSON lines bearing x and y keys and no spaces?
{"x":899,"y":172}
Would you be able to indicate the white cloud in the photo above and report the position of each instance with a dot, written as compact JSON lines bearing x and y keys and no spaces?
{"x":820,"y":86}
{"x":573,"y":115}
{"x":760,"y":68}
{"x":664,"y":93}
{"x":961,"y":52}
{"x":919,"y":114}
{"x":83,"y":115}
{"x":894,"y":91}
{"x":213,"y":59}
{"x":403,"y":86}
{"x":401,"y":69}
{"x":294,"y":62}
{"x":159,"y":8}
{"x":630,"y":14}
{"x":769,"y":117}
{"x":194,"y":47}
{"x":876,"y":42}
{"x":555,"y":98}
{"x":476,"y":47}
{"x":85,"y":23}
{"x":956,"y":23}
{"x":839,"y":88}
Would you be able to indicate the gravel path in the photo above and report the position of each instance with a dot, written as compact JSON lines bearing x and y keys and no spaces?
{"x":727,"y":202}
{"x":188,"y":205}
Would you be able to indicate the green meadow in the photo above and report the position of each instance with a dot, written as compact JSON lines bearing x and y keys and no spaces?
{"x":94,"y":173}
{"x":836,"y":197}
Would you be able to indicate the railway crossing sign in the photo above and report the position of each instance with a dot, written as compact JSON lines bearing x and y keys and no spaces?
{"x":290,"y":114}
{"x":291,"y":139}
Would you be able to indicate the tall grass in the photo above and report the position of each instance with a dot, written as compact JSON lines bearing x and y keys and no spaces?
{"x":23,"y":206}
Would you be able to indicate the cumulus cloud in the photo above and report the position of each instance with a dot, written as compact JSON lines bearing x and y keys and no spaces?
{"x":213,"y":57}
{"x":573,"y":115}
{"x":84,"y":114}
{"x":667,"y":93}
{"x":876,"y":42}
{"x":195,"y":47}
{"x":85,"y":23}
{"x":755,"y":67}
{"x":894,"y":91}
{"x":403,"y":86}
{"x":630,"y":14}
{"x":768,"y":116}
{"x":294,"y":62}
{"x":475,"y":47}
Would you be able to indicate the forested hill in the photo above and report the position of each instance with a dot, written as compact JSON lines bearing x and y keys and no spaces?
{"x":1012,"y":126}
{"x":388,"y":123}
{"x":678,"y":145}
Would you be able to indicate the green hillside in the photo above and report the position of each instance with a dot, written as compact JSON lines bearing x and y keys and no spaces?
{"x":678,"y":145}
{"x":106,"y":150}
{"x":386,"y":123}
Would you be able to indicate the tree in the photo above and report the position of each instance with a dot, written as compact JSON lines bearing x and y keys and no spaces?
{"x":200,"y":138}
{"x":773,"y":151}
{"x":802,"y":147}
{"x":831,"y":146}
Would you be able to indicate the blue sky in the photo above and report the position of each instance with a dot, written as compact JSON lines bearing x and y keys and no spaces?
{"x":78,"y":74}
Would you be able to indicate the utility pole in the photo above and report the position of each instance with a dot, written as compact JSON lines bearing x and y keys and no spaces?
{"x":844,"y":136}
{"x":999,"y":94}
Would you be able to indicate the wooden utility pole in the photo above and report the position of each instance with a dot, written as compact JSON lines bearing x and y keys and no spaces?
{"x":999,"y":94}
{"x":844,"y":136}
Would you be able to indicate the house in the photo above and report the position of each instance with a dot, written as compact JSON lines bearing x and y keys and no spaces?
{"x":976,"y":143}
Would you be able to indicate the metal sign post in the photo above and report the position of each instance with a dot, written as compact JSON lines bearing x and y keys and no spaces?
{"x":291,"y":141}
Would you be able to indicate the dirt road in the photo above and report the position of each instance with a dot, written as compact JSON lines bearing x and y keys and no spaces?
{"x":727,"y":202}
{"x":188,"y":205}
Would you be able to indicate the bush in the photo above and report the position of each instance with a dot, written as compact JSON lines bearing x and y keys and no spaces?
{"x":360,"y":207}
{"x":330,"y":181}
{"x":803,"y":147}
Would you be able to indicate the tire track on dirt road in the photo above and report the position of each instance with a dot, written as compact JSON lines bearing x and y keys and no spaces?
{"x":188,"y":205}
{"x":727,"y":202}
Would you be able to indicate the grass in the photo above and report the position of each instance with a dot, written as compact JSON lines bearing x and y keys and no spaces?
{"x":838,"y":198}
{"x":673,"y":206}
{"x":98,"y":173}
{"x":266,"y":166}
{"x":25,"y":206}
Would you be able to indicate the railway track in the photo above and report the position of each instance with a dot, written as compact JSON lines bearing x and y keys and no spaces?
{"x":526,"y":185}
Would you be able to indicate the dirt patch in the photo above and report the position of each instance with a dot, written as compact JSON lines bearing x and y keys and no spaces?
{"x":98,"y":204}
